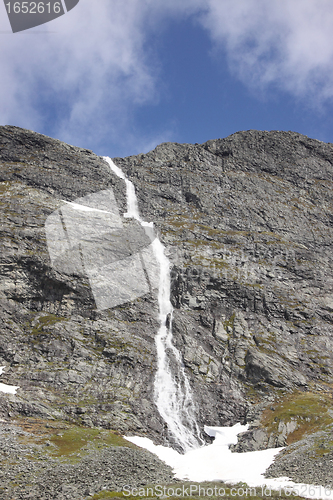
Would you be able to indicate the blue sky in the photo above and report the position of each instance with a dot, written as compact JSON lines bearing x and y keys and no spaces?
{"x":120,"y":77}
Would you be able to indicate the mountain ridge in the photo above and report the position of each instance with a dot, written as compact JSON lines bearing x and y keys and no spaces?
{"x":247,"y":222}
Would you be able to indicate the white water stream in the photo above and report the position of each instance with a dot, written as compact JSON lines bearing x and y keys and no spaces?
{"x":172,"y":390}
{"x":173,"y":396}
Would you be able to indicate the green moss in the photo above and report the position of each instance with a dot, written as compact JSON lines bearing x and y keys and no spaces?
{"x":309,"y":409}
{"x":117,"y":494}
{"x":44,"y":321}
{"x":229,"y":322}
{"x":73,"y":440}
{"x":229,"y":492}
{"x":255,"y":285}
{"x":323,"y":447}
{"x":5,"y":186}
{"x":107,"y":494}
{"x":266,"y":341}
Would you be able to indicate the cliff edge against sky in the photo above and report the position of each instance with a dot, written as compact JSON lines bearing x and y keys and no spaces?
{"x":247,"y":222}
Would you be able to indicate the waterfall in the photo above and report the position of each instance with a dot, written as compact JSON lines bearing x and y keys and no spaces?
{"x":172,"y":390}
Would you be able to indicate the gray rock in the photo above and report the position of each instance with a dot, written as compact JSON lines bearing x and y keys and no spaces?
{"x":247,"y":222}
{"x":45,"y":476}
{"x":307,"y":461}
{"x":219,"y":331}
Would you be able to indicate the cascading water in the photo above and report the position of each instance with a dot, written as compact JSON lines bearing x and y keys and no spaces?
{"x":172,"y":390}
{"x":175,"y":405}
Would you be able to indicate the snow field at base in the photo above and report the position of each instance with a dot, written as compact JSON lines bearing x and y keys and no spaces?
{"x":215,"y":462}
{"x":9,"y":389}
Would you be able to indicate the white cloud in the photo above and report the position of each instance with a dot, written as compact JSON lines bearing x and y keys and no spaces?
{"x":91,"y":69}
{"x":83,"y":80}
{"x":287,"y":43}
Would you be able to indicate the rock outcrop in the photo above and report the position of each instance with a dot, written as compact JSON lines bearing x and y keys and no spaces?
{"x":247,"y":222}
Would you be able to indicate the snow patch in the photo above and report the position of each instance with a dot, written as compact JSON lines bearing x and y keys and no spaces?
{"x":8,"y":389}
{"x":215,"y":462}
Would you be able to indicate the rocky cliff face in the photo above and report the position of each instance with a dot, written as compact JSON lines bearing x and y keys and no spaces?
{"x":247,"y":222}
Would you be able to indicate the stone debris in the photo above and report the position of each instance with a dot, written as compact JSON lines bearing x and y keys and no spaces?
{"x":247,"y":222}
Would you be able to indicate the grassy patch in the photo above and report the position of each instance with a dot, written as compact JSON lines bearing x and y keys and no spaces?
{"x":323,"y":447}
{"x":44,"y":321}
{"x":5,"y":186}
{"x":195,"y":491}
{"x":308,"y":409}
{"x":74,"y":439}
{"x":229,"y":322}
{"x":107,"y":494}
{"x":66,"y":441}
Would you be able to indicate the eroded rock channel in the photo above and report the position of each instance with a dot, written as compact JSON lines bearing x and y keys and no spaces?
{"x":247,"y":223}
